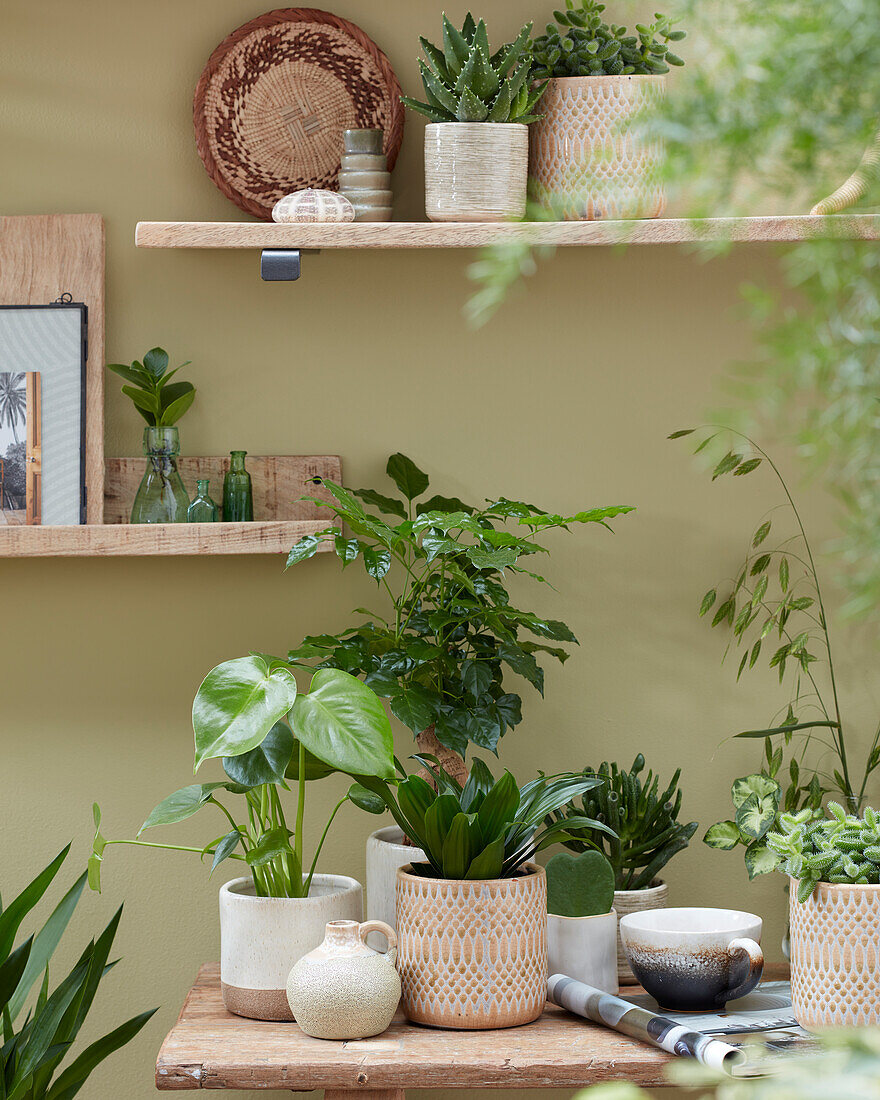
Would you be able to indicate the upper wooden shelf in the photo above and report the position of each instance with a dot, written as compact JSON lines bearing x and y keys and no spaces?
{"x":268,"y":235}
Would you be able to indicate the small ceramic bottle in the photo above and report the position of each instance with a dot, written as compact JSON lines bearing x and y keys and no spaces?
{"x":344,"y":989}
{"x":202,"y":509}
{"x":238,"y":496}
{"x":364,"y":178}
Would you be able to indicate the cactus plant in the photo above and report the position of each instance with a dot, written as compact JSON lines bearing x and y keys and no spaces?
{"x":465,"y":82}
{"x":648,"y":832}
{"x":840,"y":848}
{"x":588,"y":46}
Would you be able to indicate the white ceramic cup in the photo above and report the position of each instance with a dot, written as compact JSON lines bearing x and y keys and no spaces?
{"x":694,"y":959}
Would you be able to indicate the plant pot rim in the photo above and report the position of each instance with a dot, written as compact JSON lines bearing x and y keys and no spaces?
{"x":605,"y":78}
{"x":344,"y":884}
{"x":395,"y":843}
{"x":839,"y":887}
{"x":655,"y":885}
{"x":612,"y":912}
{"x":532,"y":870}
{"x":480,"y":125}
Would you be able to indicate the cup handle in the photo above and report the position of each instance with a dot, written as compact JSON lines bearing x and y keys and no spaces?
{"x":386,"y":930}
{"x":746,"y":965}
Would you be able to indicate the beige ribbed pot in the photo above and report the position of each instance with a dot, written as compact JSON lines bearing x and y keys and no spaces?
{"x":655,"y":896}
{"x":476,"y":171}
{"x":473,"y":953}
{"x":835,"y":956}
{"x":585,"y":159}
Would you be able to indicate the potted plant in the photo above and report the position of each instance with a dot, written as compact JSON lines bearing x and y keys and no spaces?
{"x":833,"y":862}
{"x":161,"y":496}
{"x":448,"y":636}
{"x":645,"y":835}
{"x":478,"y":104}
{"x":581,"y":920}
{"x":249,"y":714}
{"x":587,"y":160}
{"x":472,"y":918}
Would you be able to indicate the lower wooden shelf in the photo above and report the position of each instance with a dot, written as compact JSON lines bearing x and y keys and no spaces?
{"x":279,"y":482}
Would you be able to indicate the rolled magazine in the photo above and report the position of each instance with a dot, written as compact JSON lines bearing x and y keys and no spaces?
{"x":641,"y":1023}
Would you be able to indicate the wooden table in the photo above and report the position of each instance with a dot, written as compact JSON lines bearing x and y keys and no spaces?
{"x":209,"y":1048}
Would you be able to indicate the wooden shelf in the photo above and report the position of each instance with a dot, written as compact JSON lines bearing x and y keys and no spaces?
{"x":267,"y":235}
{"x":282,"y":518}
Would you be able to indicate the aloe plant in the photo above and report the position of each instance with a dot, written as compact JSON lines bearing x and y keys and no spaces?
{"x":485,"y":829}
{"x":465,"y":82}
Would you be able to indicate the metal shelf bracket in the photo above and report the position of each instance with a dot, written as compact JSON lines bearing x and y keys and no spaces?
{"x":279,"y":265}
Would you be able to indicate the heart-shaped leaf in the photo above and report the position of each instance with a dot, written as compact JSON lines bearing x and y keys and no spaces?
{"x":343,"y":723}
{"x":237,"y":704}
{"x":264,"y":764}
{"x":579,"y":885}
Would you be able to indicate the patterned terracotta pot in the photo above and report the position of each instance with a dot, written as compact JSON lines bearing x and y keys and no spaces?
{"x":586,"y":159}
{"x":476,"y":171}
{"x":473,"y":954}
{"x":835,"y":956}
{"x":655,"y":896}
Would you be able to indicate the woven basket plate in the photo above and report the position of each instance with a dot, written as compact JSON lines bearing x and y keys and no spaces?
{"x":275,"y":96}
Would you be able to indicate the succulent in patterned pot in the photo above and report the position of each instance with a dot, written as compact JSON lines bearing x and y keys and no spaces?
{"x":589,"y":158}
{"x":832,"y":859}
{"x":472,"y":918}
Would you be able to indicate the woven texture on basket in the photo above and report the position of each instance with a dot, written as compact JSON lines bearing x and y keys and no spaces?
{"x":275,"y":97}
{"x":656,"y":896}
{"x":835,"y":956}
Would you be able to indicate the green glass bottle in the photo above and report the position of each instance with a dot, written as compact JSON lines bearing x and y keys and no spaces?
{"x":238,"y":496}
{"x":202,"y":509}
{"x":161,"y":496}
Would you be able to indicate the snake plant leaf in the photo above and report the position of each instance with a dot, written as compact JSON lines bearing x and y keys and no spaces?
{"x":455,"y":48}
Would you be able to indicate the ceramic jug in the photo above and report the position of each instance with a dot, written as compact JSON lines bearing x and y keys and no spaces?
{"x":344,"y":989}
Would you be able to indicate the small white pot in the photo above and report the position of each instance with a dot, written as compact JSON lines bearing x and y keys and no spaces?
{"x":584,"y":948}
{"x":476,"y":171}
{"x":261,"y":939}
{"x":386,"y":854}
{"x":655,"y":896}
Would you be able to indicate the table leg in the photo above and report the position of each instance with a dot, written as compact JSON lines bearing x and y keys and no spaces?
{"x":367,"y":1094}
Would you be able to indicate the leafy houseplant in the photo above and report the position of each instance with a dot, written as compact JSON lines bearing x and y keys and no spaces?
{"x":466,"y":83}
{"x":31,"y":1056}
{"x":475,"y":887}
{"x":833,"y":861}
{"x":250,"y":715}
{"x":441,"y":648}
{"x":774,"y":609}
{"x":161,"y":496}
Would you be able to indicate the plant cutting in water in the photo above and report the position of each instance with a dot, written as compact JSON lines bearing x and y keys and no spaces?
{"x":581,"y":43}
{"x":160,"y":401}
{"x":485,"y":829}
{"x":642,"y":831}
{"x":250,"y":715}
{"x":441,"y":648}
{"x":465,"y":82}
{"x":774,"y":610}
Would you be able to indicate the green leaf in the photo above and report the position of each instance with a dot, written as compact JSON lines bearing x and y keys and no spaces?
{"x":366,"y":800}
{"x":408,"y":478}
{"x":499,"y":807}
{"x":237,"y":704}
{"x":415,"y":706}
{"x":180,"y":805}
{"x":306,"y":548}
{"x":225,"y":849}
{"x":476,"y":676}
{"x":132,"y":373}
{"x":458,"y":848}
{"x":579,"y":885}
{"x":342,"y":722}
{"x":756,"y":815}
{"x":266,"y":763}
{"x":173,"y":412}
{"x":75,"y":1075}
{"x":724,"y":835}
{"x":437,"y":823}
{"x":156,"y":362}
{"x":783,"y":573}
{"x":12,"y":971}
{"x":524,"y":664}
{"x":455,"y":54}
{"x":760,"y":860}
{"x":143,"y":399}
{"x":728,"y":463}
{"x":762,"y":532}
{"x":314,"y":768}
{"x":377,"y":561}
{"x":388,"y":505}
{"x":18,"y":909}
{"x":272,"y":844}
{"x":346,"y":549}
{"x":681,"y":432}
{"x":759,"y":785}
{"x":708,"y":601}
{"x":471,"y":108}
{"x":747,"y":467}
{"x":444,"y":504}
{"x":489,"y":863}
{"x":492,"y":559}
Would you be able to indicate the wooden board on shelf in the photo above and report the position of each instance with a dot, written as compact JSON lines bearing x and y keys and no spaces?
{"x":41,"y":258}
{"x":278,"y":482}
{"x":794,"y":227}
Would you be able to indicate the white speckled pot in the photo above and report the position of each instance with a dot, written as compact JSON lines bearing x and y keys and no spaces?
{"x":584,"y":948}
{"x":386,"y":854}
{"x":476,"y":171}
{"x":344,"y":989}
{"x":835,"y":956}
{"x":261,"y":939}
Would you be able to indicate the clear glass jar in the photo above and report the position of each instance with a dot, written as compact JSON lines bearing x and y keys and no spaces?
{"x":161,"y":496}
{"x":202,"y":509}
{"x":238,"y":497}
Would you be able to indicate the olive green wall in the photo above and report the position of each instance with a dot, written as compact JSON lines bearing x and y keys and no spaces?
{"x":565,"y":399}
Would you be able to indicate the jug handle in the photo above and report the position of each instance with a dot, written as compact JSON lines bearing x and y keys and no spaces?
{"x":387,"y":931}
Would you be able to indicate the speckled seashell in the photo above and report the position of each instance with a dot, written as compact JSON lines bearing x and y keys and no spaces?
{"x":312,"y":205}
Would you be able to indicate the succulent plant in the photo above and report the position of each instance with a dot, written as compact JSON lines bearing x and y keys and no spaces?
{"x":581,"y":43}
{"x":485,"y":829}
{"x":813,"y":847}
{"x":579,"y":886}
{"x":465,"y":82}
{"x":644,"y":823}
